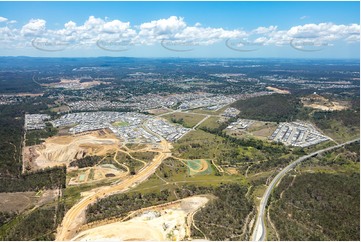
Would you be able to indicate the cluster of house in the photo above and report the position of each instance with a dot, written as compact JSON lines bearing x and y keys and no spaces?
{"x":36,"y":121}
{"x":297,"y":134}
{"x":131,"y":127}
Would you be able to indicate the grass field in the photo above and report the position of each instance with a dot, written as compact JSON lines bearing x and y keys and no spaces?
{"x":186,"y":119}
{"x":205,"y":111}
{"x":121,"y":124}
{"x":211,"y":123}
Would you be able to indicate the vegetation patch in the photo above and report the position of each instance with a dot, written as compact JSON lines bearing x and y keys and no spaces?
{"x":275,"y":107}
{"x":186,"y":119}
{"x":35,"y":137}
{"x":121,"y":124}
{"x":88,"y":161}
{"x":50,"y":178}
{"x":321,"y":199}
{"x":317,"y":206}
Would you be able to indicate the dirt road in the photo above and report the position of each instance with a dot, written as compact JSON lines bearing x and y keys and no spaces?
{"x":75,"y":217}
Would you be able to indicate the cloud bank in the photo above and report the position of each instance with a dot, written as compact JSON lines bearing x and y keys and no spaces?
{"x":174,"y":28}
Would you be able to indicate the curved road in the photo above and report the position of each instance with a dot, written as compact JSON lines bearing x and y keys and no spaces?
{"x":73,"y":218}
{"x":259,"y":231}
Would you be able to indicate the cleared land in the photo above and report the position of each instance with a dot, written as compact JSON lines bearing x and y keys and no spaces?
{"x":258,"y":129}
{"x":321,"y":103}
{"x":163,"y":222}
{"x":19,"y":201}
{"x":76,"y":215}
{"x":60,"y":150}
{"x":278,"y":90}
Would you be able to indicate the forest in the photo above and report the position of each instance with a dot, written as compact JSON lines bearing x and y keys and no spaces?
{"x":224,"y":217}
{"x":88,"y":161}
{"x":39,"y":224}
{"x":119,"y":205}
{"x":275,"y":108}
{"x":49,"y":178}
{"x":317,"y":206}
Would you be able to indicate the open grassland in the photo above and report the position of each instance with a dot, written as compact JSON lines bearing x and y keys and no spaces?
{"x":188,"y":120}
{"x":210,"y":112}
{"x":211,"y":123}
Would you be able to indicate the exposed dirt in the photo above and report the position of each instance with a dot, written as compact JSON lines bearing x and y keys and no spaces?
{"x":155,"y":223}
{"x":61,"y":150}
{"x":74,"y":217}
{"x":232,"y":170}
{"x":318,"y":102}
{"x":74,"y":83}
{"x":17,"y":201}
{"x":277,"y":90}
{"x":158,"y":111}
{"x":20,"y":201}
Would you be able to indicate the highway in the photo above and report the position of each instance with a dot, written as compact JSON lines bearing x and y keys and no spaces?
{"x":259,"y":231}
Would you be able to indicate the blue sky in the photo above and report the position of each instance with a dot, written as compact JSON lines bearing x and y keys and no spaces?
{"x":181,"y":29}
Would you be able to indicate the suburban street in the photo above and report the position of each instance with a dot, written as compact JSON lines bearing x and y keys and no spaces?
{"x":259,"y":231}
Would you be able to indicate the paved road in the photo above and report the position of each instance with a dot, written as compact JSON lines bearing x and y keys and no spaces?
{"x":259,"y":232}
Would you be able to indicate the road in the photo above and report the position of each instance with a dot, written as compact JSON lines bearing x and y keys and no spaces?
{"x":72,"y":219}
{"x":259,"y":232}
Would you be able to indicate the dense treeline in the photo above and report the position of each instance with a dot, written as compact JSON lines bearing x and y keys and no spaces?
{"x":275,"y":107}
{"x":11,"y":134}
{"x":10,"y":146}
{"x":6,"y":217}
{"x":88,"y":161}
{"x":348,"y":118}
{"x":49,"y":178}
{"x":224,"y":217}
{"x":35,"y":137}
{"x":40,"y":224}
{"x":317,"y":206}
{"x":119,"y":205}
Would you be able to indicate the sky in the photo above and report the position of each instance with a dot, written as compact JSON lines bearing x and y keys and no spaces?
{"x":181,"y":29}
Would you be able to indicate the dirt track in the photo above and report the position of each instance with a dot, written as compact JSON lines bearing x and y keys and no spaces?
{"x":162,"y":222}
{"x":76,"y":215}
{"x":61,"y":150}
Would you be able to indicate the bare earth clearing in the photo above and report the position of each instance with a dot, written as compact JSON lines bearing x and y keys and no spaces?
{"x":75,"y":217}
{"x":155,"y":223}
{"x":61,"y":150}
{"x":20,"y":201}
{"x":318,"y":102}
{"x":277,"y":90}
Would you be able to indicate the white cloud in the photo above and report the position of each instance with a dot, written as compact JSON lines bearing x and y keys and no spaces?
{"x":173,"y":29}
{"x":2,"y":19}
{"x":265,"y":30}
{"x":34,"y":27}
{"x":115,"y":26}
